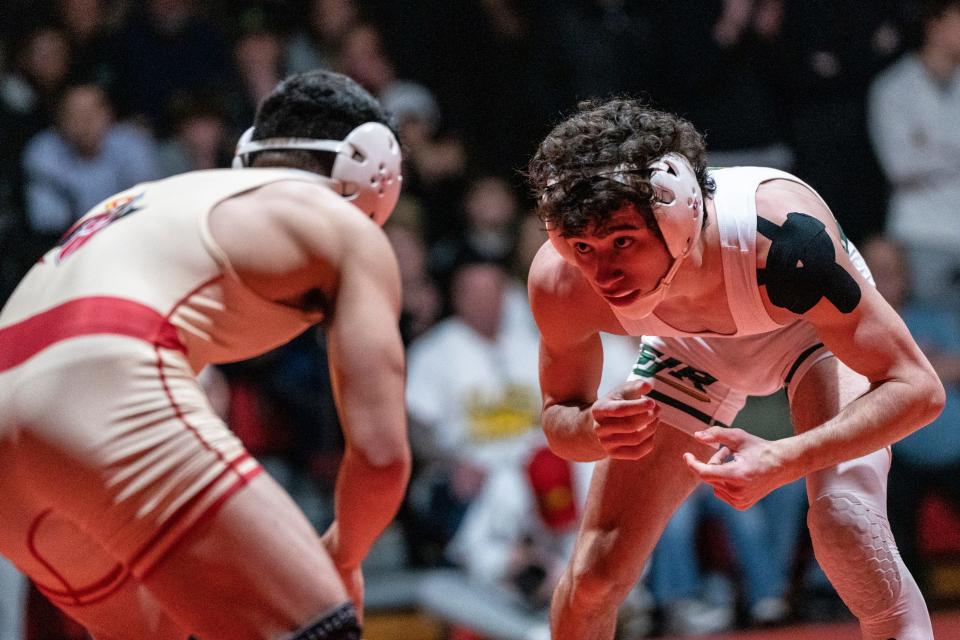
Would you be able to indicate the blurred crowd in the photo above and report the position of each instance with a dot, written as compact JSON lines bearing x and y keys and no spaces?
{"x":859,"y":98}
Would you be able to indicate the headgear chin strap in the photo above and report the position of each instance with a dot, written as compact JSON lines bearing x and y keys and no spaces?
{"x":366,"y":168}
{"x":678,"y":210}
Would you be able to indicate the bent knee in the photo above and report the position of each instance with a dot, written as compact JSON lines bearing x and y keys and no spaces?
{"x":601,"y":574}
{"x":855,"y":548}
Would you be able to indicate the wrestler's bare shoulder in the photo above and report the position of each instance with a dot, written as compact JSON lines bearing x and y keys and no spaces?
{"x":562,"y":299}
{"x":291,"y":210}
{"x":290,"y":236}
{"x":777,"y":201}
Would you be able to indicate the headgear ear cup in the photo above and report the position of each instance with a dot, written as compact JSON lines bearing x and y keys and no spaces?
{"x":367,"y":167}
{"x":240,"y":156}
{"x":678,"y":208}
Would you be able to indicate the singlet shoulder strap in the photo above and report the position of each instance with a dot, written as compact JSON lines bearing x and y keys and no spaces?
{"x":736,"y":205}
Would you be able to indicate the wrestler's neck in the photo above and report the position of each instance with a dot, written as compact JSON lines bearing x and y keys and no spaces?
{"x":698,"y":285}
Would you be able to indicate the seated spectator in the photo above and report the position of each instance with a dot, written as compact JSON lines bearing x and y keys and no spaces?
{"x":510,"y":547}
{"x":200,"y":137}
{"x":29,"y":88}
{"x":434,"y":163}
{"x":677,"y":583}
{"x":258,"y":59}
{"x":421,"y":297}
{"x":491,"y":216}
{"x":928,"y":460}
{"x":88,"y":24}
{"x":164,"y":48}
{"x":473,"y":399}
{"x":914,"y":109}
{"x":316,"y":43}
{"x":82,"y":160}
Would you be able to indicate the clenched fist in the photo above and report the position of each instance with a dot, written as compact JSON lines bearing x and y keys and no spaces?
{"x":625,"y":420}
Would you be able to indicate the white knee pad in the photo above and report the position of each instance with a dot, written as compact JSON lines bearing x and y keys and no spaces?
{"x":856,"y":550}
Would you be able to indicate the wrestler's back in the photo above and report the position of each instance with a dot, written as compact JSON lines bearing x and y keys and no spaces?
{"x":150,"y":247}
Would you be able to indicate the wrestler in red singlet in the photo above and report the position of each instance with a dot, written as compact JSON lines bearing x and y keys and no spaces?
{"x":122,"y":495}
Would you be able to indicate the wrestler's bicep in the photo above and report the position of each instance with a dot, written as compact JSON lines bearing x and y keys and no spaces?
{"x":805,"y":265}
{"x":805,"y":271}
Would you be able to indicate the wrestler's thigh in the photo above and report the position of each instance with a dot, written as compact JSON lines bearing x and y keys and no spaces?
{"x":130,"y":612}
{"x":77,"y":574}
{"x":629,"y":504}
{"x":255,"y":569}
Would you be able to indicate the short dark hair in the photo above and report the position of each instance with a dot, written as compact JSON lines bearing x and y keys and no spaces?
{"x":564,"y":171}
{"x":317,"y":104}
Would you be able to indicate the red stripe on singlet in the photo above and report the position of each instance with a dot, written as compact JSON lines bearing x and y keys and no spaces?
{"x":82,"y":317}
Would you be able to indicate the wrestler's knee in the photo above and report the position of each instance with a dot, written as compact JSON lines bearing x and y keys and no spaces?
{"x":855,"y":548}
{"x":599,"y":577}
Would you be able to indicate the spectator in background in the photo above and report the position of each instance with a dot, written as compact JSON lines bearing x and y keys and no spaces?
{"x":824,"y":54}
{"x":88,"y":27}
{"x":200,"y":137}
{"x":280,"y":406}
{"x":435,"y":163}
{"x":488,"y":230}
{"x":317,"y":43}
{"x":82,"y":160}
{"x":258,"y":55}
{"x":363,"y":58}
{"x":28,"y":94}
{"x":472,"y":399}
{"x":930,"y":458}
{"x":593,"y":48}
{"x":510,"y":549}
{"x":164,"y":48}
{"x":715,"y":83}
{"x":915,"y":128}
{"x":762,"y":563}
{"x":422,"y":302}
{"x":41,"y":61}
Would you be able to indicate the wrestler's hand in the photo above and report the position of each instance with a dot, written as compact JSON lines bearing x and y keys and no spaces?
{"x":743,"y":470}
{"x":625,"y":420}
{"x":351,"y":577}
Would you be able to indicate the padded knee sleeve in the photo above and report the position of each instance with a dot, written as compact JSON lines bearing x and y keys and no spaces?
{"x":856,"y":550}
{"x":340,"y":623}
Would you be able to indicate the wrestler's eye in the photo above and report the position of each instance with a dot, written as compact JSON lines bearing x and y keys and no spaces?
{"x":622,"y":242}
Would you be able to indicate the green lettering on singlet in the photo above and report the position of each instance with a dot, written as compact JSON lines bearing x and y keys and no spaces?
{"x":648,"y":365}
{"x":651,"y":362}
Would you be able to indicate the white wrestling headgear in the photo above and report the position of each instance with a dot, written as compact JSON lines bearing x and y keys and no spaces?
{"x":366,"y":169}
{"x":678,"y":210}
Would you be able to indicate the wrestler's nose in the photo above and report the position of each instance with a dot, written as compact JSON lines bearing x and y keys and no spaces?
{"x":607,"y":272}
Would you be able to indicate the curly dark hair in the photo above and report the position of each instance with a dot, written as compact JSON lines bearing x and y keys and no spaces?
{"x":567,"y":173}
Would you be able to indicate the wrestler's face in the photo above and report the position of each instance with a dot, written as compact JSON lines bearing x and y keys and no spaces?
{"x":623,"y":259}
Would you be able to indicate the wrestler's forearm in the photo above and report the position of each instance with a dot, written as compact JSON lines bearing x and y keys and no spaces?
{"x":888,"y":412}
{"x":569,"y":432}
{"x":367,"y":497}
